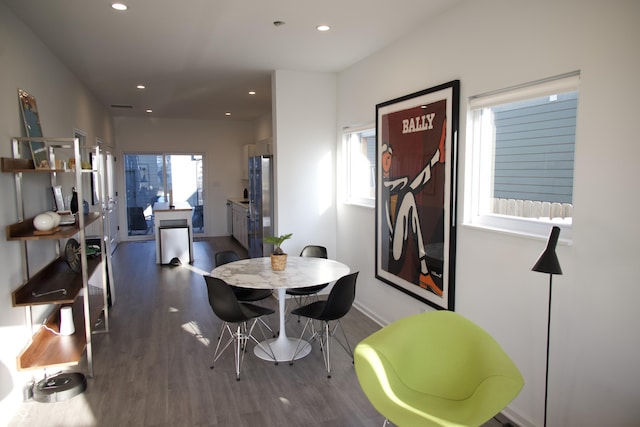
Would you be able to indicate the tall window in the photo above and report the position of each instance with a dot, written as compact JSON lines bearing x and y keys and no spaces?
{"x":151,"y":178}
{"x":359,"y":152}
{"x":523,"y":141}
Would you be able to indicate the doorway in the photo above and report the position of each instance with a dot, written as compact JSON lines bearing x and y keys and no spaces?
{"x":160,"y":177}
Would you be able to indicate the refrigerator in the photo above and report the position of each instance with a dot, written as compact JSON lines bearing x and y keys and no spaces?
{"x":261,"y":199}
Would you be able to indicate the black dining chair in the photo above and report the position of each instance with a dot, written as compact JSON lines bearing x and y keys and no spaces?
{"x":227,"y":308}
{"x":243,"y":294}
{"x":301,"y":295}
{"x":335,"y":307}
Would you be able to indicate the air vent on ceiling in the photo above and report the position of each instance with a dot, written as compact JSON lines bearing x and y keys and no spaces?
{"x":121,"y":106}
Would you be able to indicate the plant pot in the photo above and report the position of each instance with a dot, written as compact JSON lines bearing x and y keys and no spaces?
{"x":278,"y":262}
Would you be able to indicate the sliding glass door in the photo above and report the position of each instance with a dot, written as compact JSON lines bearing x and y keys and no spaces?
{"x":158,"y":177}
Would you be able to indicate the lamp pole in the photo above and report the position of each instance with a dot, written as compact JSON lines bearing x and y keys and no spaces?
{"x":548,"y":263}
{"x":546,"y":377}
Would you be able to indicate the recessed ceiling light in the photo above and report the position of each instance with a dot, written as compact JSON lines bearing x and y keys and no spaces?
{"x":252,"y":92}
{"x":141,"y":87}
{"x":228,"y":113}
{"x":323,"y":28}
{"x":119,"y":6}
{"x":149,"y":110}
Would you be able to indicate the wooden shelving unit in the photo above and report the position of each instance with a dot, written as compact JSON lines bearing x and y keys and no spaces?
{"x":48,"y":350}
{"x":24,"y":230}
{"x":56,"y":284}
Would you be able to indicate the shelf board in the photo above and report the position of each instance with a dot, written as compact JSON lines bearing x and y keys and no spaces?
{"x":17,"y":165}
{"x":48,"y":349}
{"x":24,"y":230}
{"x":55,"y":276}
{"x":12,"y":165}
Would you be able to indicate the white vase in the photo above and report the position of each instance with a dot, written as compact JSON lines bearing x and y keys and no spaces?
{"x":43,"y":222}
{"x":56,"y":218}
{"x":66,"y":321}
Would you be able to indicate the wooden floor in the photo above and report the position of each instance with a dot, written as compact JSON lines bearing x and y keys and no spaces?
{"x":152,"y":369}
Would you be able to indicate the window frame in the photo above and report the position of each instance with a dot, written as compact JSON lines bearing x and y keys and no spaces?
{"x":347,"y":197}
{"x":479,"y":180}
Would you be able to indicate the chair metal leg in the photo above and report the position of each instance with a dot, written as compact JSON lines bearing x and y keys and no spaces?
{"x":266,"y":325}
{"x":243,"y":336}
{"x":346,"y":346}
{"x":239,"y":350}
{"x":326,"y":350}
{"x":324,"y":336}
{"x":260,"y":344}
{"x":217,"y":353}
{"x":240,"y":339}
{"x":314,"y":335}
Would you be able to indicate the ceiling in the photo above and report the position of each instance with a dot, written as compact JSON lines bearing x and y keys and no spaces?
{"x":199,"y":58}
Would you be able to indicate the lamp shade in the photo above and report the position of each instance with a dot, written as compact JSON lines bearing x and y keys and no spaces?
{"x":548,"y":260}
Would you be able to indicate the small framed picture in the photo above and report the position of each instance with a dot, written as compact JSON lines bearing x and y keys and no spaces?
{"x":40,"y":154}
{"x":33,"y":129}
{"x":30,"y":114}
{"x":57,"y":197}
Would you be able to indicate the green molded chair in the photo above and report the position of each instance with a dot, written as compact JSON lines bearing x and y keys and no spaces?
{"x":436,"y":369}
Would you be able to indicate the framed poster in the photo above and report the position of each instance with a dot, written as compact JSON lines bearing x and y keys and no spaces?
{"x":416,"y":193}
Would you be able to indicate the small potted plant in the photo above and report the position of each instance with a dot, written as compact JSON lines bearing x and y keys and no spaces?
{"x":278,"y":257}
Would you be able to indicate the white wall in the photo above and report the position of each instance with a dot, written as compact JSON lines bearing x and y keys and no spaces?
{"x":304,"y":141}
{"x":264,"y":127}
{"x":64,"y":104}
{"x":221,"y":143}
{"x":595,"y":350}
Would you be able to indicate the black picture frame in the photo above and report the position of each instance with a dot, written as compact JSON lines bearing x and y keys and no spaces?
{"x":58,"y":198}
{"x":30,"y":115}
{"x":416,"y":192}
{"x":33,"y":129}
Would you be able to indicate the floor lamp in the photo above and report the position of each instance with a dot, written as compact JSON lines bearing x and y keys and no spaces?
{"x":548,"y":263}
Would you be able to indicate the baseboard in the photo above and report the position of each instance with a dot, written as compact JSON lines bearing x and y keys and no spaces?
{"x":370,"y":314}
{"x":516,"y":419}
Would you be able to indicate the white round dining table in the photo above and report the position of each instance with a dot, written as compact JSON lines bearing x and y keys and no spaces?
{"x":256,"y":273}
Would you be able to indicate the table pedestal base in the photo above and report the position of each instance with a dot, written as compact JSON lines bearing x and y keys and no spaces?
{"x":282,"y":348}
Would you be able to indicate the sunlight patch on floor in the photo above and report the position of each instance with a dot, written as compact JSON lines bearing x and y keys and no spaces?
{"x":195,"y":269}
{"x":193,"y":328}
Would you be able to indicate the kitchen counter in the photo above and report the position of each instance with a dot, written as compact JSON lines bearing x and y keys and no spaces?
{"x":239,"y":201}
{"x":169,"y":221}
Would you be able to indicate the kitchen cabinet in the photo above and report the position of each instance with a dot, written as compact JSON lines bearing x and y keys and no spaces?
{"x":56,"y":284}
{"x":240,"y":228}
{"x":264,"y":147}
